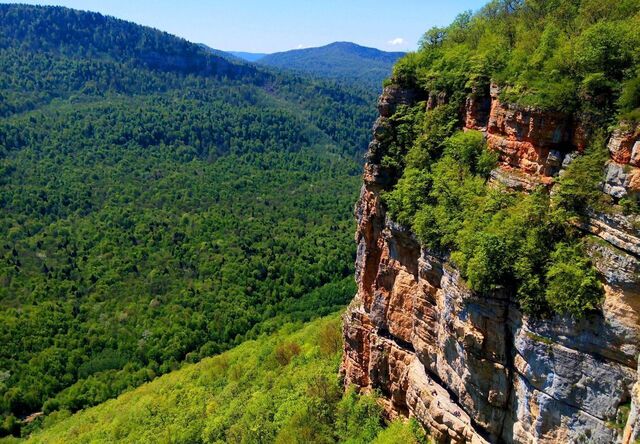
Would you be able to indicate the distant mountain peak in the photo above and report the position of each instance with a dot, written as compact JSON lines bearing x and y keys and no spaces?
{"x":340,"y":45}
{"x":345,"y":61}
{"x":248,"y":56}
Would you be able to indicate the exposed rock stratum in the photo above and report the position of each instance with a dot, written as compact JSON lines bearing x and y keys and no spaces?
{"x":473,"y":368}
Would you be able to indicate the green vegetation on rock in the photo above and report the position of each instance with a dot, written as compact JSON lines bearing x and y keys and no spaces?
{"x":576,"y":57}
{"x":499,"y":239}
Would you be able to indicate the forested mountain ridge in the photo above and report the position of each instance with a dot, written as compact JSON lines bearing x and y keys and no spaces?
{"x":343,"y":61}
{"x":77,"y":44}
{"x":81,"y":34}
{"x":106,"y":55}
{"x":158,"y":204}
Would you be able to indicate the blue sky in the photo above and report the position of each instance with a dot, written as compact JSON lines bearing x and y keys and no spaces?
{"x":278,"y":25}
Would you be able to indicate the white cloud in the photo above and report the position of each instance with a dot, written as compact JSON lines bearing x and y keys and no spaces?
{"x":300,"y":46}
{"x":397,"y":41}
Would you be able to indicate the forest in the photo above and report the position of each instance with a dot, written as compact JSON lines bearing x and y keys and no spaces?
{"x":282,"y":388}
{"x":159,"y":204}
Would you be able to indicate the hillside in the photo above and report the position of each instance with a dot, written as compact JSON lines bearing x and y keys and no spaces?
{"x":158,"y":204}
{"x":281,"y":388}
{"x":162,"y":203}
{"x":344,"y":61}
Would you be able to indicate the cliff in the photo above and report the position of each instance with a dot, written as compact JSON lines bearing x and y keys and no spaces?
{"x":474,"y":368}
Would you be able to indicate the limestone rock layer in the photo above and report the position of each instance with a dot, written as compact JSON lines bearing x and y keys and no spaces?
{"x":473,"y":368}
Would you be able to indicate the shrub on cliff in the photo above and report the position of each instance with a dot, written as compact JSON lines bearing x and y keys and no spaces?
{"x":411,"y":192}
{"x":469,"y":148}
{"x":572,"y":283}
{"x":579,"y":188}
{"x":629,"y":101}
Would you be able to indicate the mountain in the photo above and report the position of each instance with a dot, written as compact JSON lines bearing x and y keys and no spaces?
{"x":279,"y":388}
{"x":158,"y":204}
{"x":161,"y":204}
{"x":342,"y":61}
{"x":248,"y":56}
{"x":499,"y":230}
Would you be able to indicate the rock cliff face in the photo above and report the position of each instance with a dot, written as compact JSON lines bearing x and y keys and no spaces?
{"x":623,"y":172}
{"x":473,"y":368}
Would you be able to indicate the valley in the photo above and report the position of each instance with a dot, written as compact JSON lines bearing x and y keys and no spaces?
{"x":177,"y":222}
{"x":159,"y":204}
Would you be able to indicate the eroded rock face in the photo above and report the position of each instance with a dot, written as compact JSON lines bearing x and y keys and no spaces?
{"x":535,"y":145}
{"x":624,"y":144}
{"x":623,"y":175}
{"x":621,"y":180}
{"x":623,"y":172}
{"x":477,"y":110}
{"x":472,"y":368}
{"x":528,"y":139}
{"x":393,"y":96}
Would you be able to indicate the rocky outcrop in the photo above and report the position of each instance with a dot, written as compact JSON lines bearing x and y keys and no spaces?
{"x":623,"y":172}
{"x":534,"y":145}
{"x":473,"y":368}
{"x":624,"y":144}
{"x":527,"y":139}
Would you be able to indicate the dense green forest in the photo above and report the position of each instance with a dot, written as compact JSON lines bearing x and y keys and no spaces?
{"x":158,"y":204}
{"x":577,"y":57}
{"x":282,"y":388}
{"x":346,"y":62}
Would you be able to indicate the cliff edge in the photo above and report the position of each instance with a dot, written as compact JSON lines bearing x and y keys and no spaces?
{"x":473,"y":367}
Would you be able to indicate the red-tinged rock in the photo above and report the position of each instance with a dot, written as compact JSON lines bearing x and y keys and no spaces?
{"x":357,"y":338}
{"x":623,"y":144}
{"x":472,"y":368}
{"x":634,"y":180}
{"x":635,"y":154}
{"x":532,"y":140}
{"x":477,"y":109}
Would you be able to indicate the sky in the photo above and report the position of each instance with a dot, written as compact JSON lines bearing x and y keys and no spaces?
{"x":280,"y":25}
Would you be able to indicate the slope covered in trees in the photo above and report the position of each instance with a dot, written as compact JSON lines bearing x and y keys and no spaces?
{"x":158,"y":204}
{"x":573,"y":56}
{"x":282,"y":388}
{"x":344,"y":61}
